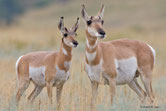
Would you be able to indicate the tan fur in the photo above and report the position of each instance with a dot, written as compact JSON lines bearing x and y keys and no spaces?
{"x":55,"y":65}
{"x":109,"y":54}
{"x":123,"y":49}
{"x":47,"y":59}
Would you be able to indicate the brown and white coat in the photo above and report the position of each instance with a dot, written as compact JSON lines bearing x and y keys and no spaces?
{"x":47,"y":68}
{"x":118,"y":62}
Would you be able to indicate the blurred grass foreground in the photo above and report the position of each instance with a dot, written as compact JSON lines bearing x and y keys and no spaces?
{"x":31,"y":25}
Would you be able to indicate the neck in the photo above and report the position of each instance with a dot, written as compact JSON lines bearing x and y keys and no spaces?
{"x":65,"y":55}
{"x":65,"y":49}
{"x":91,"y":42}
{"x":92,"y":50}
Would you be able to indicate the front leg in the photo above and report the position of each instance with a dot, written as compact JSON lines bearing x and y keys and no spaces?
{"x":94,"y":94}
{"x":58,"y":95}
{"x":110,"y":71}
{"x":49,"y":86}
{"x":112,"y":85}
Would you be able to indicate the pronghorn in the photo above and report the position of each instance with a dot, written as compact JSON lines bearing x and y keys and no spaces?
{"x":119,"y":61}
{"x":47,"y":69}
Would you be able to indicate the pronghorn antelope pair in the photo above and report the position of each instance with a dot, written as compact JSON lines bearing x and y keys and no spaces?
{"x":118,"y":62}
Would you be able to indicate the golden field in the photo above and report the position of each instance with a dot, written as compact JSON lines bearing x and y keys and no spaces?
{"x":37,"y":30}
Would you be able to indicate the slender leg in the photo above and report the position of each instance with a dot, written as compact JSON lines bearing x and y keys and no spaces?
{"x":147,"y":84}
{"x":136,"y":88}
{"x":144,"y":93}
{"x":112,"y":85}
{"x":152,"y":90}
{"x":58,"y":96}
{"x":94,"y":94}
{"x":49,"y":91}
{"x":23,"y":85}
{"x":34,"y":93}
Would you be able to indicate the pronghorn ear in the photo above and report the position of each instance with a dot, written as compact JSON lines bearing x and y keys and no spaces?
{"x":75,"y":27}
{"x":84,"y":13}
{"x":101,"y":12}
{"x":61,"y":25}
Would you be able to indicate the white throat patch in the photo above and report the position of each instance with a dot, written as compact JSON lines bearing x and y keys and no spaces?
{"x":64,"y":51}
{"x":93,"y":46}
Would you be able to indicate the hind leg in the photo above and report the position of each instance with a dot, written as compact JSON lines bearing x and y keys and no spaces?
{"x":143,"y":92}
{"x":136,"y":88}
{"x":146,"y":79}
{"x":35,"y":93}
{"x":23,"y":85}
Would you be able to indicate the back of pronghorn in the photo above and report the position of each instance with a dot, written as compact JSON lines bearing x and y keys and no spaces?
{"x":47,"y":68}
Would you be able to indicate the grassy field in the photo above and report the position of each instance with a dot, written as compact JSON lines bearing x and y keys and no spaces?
{"x":37,"y":30}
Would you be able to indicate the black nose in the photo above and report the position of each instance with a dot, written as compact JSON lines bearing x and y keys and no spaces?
{"x":101,"y":31}
{"x":75,"y":43}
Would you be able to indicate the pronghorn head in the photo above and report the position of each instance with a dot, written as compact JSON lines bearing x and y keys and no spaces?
{"x":94,"y":23}
{"x":69,"y":34}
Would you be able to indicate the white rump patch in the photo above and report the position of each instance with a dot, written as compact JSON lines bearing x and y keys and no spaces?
{"x":126,"y":69}
{"x":90,"y":56}
{"x":17,"y":62}
{"x":37,"y":74}
{"x":153,"y":52}
{"x":61,"y":74}
{"x":64,"y":51}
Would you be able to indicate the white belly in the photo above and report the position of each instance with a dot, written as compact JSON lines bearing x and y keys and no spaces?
{"x":126,"y":69}
{"x":37,"y":74}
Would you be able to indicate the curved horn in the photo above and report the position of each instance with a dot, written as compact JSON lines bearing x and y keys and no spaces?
{"x":101,"y":12}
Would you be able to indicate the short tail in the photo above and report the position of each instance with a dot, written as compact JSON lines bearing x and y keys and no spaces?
{"x":17,"y":62}
{"x":153,"y":52}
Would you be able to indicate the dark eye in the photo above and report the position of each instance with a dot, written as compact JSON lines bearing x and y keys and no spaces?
{"x":65,"y":35}
{"x":102,"y":22}
{"x":89,"y":22}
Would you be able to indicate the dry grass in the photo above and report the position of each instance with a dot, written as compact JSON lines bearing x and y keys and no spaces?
{"x":37,"y":30}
